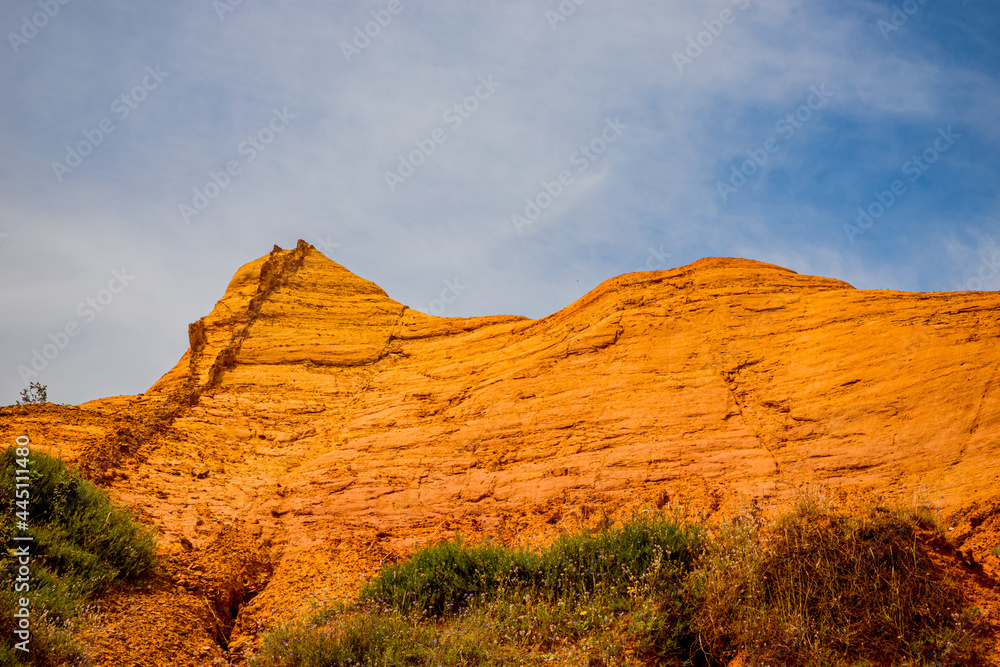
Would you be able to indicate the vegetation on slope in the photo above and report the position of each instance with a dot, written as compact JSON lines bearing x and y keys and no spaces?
{"x":814,"y":587}
{"x":81,"y":543}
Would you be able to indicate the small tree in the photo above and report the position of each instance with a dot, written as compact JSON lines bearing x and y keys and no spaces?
{"x":35,"y":393}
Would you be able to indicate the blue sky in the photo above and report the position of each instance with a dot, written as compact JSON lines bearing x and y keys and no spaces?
{"x":622,"y":134}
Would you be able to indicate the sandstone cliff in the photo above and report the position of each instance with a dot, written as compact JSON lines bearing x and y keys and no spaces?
{"x":317,"y":428}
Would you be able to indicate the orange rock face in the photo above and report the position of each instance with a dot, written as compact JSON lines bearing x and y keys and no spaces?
{"x":327,"y":428}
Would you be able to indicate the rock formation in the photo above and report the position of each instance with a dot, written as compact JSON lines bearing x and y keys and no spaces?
{"x":316,"y":428}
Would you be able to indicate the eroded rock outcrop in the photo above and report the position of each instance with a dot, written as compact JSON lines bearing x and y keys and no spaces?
{"x":336,"y":427}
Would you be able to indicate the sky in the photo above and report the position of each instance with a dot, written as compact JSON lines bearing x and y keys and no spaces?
{"x":480,"y":158}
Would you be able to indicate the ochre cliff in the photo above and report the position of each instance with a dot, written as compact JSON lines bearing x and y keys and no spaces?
{"x":317,"y":428}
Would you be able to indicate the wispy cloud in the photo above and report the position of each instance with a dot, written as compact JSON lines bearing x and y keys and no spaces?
{"x":324,"y":177}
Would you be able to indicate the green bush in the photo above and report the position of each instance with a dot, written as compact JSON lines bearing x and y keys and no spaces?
{"x":459,"y":604}
{"x":446,"y":578}
{"x":82,"y":543}
{"x":373,"y":639}
{"x":815,"y":587}
{"x":651,"y":550}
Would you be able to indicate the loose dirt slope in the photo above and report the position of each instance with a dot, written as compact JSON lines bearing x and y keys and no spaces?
{"x":317,"y":428}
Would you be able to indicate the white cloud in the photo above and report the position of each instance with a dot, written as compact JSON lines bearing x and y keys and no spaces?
{"x":324,"y":175}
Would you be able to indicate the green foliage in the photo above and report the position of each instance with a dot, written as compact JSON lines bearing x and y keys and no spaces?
{"x":459,"y":604}
{"x":82,"y":543}
{"x":651,"y":549}
{"x":69,"y":515}
{"x":445,"y":578}
{"x":373,"y":639}
{"x":35,"y":393}
{"x":815,"y":587}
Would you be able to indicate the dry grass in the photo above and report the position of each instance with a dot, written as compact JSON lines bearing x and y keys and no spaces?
{"x":819,"y":586}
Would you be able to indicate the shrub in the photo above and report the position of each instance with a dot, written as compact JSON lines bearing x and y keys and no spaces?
{"x":815,"y":587}
{"x":650,"y":550}
{"x":371,"y":639}
{"x":34,"y":393}
{"x":82,"y":543}
{"x":447,"y":577}
{"x":459,"y":604}
{"x":820,"y":584}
